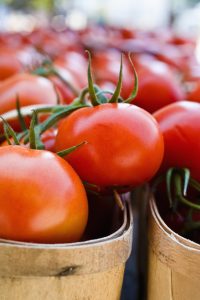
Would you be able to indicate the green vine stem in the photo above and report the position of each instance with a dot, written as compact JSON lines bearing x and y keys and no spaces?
{"x":34,"y":134}
{"x":117,"y":91}
{"x":91,"y":89}
{"x":54,"y":118}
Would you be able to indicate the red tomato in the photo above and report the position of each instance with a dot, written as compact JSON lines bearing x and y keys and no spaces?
{"x":76,"y":64}
{"x":31,"y":89}
{"x":15,"y":59}
{"x":180,"y":125}
{"x":43,"y":200}
{"x":48,"y":138}
{"x":66,"y":93}
{"x":9,"y":63}
{"x":124,"y":146}
{"x":157,"y":87}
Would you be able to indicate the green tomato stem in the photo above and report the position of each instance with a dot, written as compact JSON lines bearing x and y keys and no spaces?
{"x":34,"y":134}
{"x":91,"y":88}
{"x":117,"y":91}
{"x":8,"y":131}
{"x":20,"y":116}
{"x":135,"y":88}
{"x":65,"y":152}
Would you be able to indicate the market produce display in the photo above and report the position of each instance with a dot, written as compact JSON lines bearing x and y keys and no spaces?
{"x":115,"y":125}
{"x":179,"y":124}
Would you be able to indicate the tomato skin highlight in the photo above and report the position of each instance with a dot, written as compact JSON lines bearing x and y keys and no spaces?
{"x":180,"y":125}
{"x":124,"y":145}
{"x":41,"y":198}
{"x":30,"y":89}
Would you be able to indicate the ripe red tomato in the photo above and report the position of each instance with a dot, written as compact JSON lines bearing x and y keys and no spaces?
{"x":30,"y":89}
{"x":9,"y":62}
{"x":180,"y":125}
{"x":124,"y":145}
{"x":158,"y":86}
{"x":42,"y":200}
{"x":76,"y":64}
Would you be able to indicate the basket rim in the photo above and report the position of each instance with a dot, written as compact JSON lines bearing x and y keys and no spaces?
{"x":183,"y":242}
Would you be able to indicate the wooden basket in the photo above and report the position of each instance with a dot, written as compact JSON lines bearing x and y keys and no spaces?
{"x":174,"y":262}
{"x":91,"y":269}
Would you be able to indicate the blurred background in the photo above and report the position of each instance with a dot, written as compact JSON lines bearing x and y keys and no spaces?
{"x":17,"y":15}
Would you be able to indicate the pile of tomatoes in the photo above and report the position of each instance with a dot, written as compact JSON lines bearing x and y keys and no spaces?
{"x":104,"y":132}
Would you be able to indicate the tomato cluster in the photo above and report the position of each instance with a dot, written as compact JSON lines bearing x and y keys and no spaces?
{"x":75,"y":137}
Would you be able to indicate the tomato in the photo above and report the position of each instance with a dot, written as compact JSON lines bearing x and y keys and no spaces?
{"x":48,"y":138}
{"x":67,"y":95}
{"x":157,"y":86}
{"x":76,"y":64}
{"x":15,"y":60}
{"x":124,"y":145}
{"x":64,"y":90}
{"x":9,"y":63}
{"x":30,"y":89}
{"x":42,"y":200}
{"x":180,"y":125}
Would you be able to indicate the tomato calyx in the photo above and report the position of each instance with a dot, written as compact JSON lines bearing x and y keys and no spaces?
{"x":33,"y":135}
{"x":8,"y":131}
{"x":97,"y":96}
{"x":57,"y":112}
